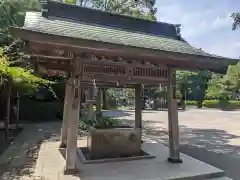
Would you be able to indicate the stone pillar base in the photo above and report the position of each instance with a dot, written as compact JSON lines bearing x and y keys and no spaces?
{"x":63,"y":146}
{"x":174,"y":160}
{"x":70,"y":171}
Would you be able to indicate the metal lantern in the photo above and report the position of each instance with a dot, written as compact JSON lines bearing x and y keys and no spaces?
{"x":95,"y":89}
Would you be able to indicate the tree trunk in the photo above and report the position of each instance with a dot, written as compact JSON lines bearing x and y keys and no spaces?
{"x":17,"y":110}
{"x":8,"y":108}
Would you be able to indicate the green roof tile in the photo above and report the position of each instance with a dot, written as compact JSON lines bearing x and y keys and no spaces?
{"x":35,"y":22}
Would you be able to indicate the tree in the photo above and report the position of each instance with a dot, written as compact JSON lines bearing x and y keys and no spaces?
{"x":12,"y":13}
{"x":193,"y":85}
{"x":218,"y":88}
{"x":233,"y":77}
{"x":12,"y":70}
{"x":236,"y":19}
{"x":225,"y":87}
{"x":22,"y":79}
{"x":16,"y":80}
{"x":117,"y":6}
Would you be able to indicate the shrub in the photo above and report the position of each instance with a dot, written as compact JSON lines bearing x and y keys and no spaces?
{"x":235,"y":103}
{"x":103,"y":122}
{"x":191,"y":103}
{"x":221,"y":104}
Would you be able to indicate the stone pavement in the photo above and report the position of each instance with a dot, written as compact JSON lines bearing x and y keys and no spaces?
{"x":217,"y":131}
{"x":210,"y":136}
{"x":51,"y":163}
{"x":15,"y":160}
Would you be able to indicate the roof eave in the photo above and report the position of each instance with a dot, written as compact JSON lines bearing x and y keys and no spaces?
{"x":186,"y":61}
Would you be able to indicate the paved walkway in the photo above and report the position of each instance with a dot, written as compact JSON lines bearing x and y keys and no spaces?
{"x":211,"y":136}
{"x":18,"y":159}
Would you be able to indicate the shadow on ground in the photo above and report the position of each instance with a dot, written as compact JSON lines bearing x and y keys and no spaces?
{"x":121,"y":113}
{"x":117,"y":113}
{"x":215,"y":140}
{"x":212,"y":146}
{"x":20,"y":158}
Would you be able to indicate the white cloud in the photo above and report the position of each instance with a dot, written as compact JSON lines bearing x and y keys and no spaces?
{"x":222,"y":22}
{"x":207,"y":28}
{"x":194,"y":23}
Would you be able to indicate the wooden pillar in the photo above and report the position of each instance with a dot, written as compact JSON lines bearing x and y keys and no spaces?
{"x":99,"y":104}
{"x":17,"y":110}
{"x":105,"y":98}
{"x":8,"y":109}
{"x":67,"y":104}
{"x":73,"y":118}
{"x":173,"y":126}
{"x":138,"y":109}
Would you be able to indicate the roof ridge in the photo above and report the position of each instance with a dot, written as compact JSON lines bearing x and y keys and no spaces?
{"x":78,"y":13}
{"x":45,"y":2}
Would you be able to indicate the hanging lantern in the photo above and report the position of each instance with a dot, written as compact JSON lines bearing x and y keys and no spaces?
{"x":95,"y":89}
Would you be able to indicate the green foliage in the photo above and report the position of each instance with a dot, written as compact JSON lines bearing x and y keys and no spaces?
{"x":224,"y":86}
{"x":233,"y":76}
{"x":236,"y":19}
{"x":123,"y":6}
{"x":193,"y":84}
{"x":12,"y":13}
{"x":22,"y":80}
{"x":104,"y":122}
{"x":119,"y":93}
{"x":70,"y":1}
{"x":218,"y":88}
{"x":137,"y":8}
{"x":235,"y":103}
{"x":221,"y":104}
{"x":191,"y":103}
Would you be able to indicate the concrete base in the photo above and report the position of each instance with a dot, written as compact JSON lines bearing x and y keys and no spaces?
{"x":172,"y":160}
{"x":108,"y":160}
{"x":50,"y":165}
{"x":70,"y":171}
{"x":63,"y":146}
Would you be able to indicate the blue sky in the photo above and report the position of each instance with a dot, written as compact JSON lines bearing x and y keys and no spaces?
{"x":205,"y":24}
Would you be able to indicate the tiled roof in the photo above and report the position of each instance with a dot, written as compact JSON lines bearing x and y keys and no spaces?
{"x":57,"y":26}
{"x":77,"y":13}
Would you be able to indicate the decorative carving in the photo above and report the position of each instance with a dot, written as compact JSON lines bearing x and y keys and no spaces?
{"x":111,"y":68}
{"x":100,"y":68}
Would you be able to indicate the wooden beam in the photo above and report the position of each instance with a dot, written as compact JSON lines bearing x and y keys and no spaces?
{"x":192,"y":64}
{"x":39,"y":49}
{"x":126,"y":80}
{"x":88,"y":60}
{"x":81,"y":45}
{"x":104,"y":77}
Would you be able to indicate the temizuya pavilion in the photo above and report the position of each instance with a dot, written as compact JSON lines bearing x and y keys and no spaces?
{"x":112,"y":50}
